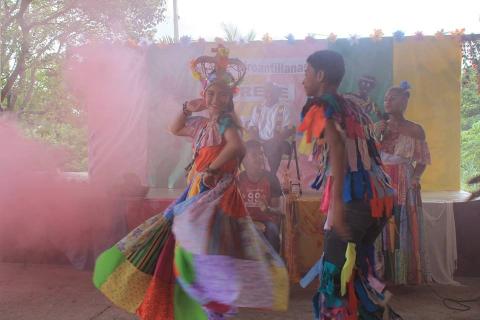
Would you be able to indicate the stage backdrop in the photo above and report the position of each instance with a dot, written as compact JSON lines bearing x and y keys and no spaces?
{"x":432,"y":66}
{"x":155,"y":80}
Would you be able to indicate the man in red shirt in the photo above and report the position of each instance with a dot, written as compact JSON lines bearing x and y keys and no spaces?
{"x":261,"y":192}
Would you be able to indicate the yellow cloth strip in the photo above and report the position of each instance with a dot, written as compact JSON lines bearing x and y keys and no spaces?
{"x":304,"y":147}
{"x":126,"y":286}
{"x":280,"y":288}
{"x":195,"y":187}
{"x":347,"y":270}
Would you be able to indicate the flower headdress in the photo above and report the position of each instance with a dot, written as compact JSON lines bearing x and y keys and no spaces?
{"x":405,"y":86}
{"x":212,"y":69}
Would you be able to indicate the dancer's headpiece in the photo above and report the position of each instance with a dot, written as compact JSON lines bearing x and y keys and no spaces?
{"x":219,"y":68}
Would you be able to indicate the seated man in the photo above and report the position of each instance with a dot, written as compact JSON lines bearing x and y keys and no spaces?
{"x":271,"y":124}
{"x":261,"y":192}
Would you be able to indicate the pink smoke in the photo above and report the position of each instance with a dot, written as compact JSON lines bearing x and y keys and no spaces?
{"x":43,"y":215}
{"x":110,"y":82}
{"x":33,"y":198}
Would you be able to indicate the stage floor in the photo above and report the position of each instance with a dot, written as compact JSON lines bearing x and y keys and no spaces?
{"x":430,"y":196}
{"x":50,"y":292}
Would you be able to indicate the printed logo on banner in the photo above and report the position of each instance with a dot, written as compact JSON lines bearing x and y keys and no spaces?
{"x":255,"y":93}
{"x":275,"y":66}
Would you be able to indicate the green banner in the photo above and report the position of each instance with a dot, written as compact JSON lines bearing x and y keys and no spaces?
{"x":367,"y":58}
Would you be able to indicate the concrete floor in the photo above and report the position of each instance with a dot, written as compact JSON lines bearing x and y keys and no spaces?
{"x":53,"y":292}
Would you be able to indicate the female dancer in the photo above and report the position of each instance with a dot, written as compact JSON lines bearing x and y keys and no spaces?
{"x":405,"y":155}
{"x":202,"y":258}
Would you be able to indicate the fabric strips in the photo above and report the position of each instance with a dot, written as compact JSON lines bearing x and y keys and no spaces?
{"x":200,"y":259}
{"x":364,"y":179}
{"x":313,"y":124}
{"x":347,"y":270}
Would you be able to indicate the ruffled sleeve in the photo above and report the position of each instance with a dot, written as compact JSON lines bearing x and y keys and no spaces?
{"x":213,"y":134}
{"x":193,"y":125}
{"x":411,"y":148}
{"x":421,"y":153}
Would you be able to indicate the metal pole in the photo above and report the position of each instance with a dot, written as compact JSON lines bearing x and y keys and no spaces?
{"x":175,"y":21}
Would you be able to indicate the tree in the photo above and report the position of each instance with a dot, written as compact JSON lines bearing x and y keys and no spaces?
{"x":34,"y":38}
{"x":470,"y":110}
{"x":232,"y":33}
{"x":32,"y":31}
{"x":470,"y":113}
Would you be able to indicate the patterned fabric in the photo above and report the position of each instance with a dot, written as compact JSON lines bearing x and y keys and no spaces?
{"x":350,"y":293}
{"x":200,"y":259}
{"x":366,"y":104}
{"x":365,"y":177}
{"x":403,"y":239}
{"x":204,"y":132}
{"x":408,"y":148}
{"x":303,"y":235}
{"x":349,"y":288}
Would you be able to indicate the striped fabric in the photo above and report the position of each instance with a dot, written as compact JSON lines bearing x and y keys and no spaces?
{"x":200,"y":259}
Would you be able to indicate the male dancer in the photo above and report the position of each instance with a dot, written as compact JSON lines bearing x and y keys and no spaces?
{"x":356,"y":195}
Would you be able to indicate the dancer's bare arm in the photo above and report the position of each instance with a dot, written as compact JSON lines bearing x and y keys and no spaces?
{"x":177,"y":127}
{"x":337,"y":160}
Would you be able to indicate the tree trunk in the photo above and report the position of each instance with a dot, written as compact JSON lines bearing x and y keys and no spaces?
{"x":20,"y":63}
{"x":31,"y":86}
{"x":19,"y":67}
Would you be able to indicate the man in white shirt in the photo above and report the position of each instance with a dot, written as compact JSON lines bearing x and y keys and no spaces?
{"x":271,"y":124}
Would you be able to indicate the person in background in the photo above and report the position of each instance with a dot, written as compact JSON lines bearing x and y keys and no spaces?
{"x":405,"y":155}
{"x":270,"y":124}
{"x":362,"y":98}
{"x":261,"y":192}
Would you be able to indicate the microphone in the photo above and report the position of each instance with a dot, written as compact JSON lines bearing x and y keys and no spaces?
{"x":384,"y":116}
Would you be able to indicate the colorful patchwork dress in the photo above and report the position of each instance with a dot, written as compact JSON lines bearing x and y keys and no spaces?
{"x":403,"y":237}
{"x":349,"y":288}
{"x":200,"y":259}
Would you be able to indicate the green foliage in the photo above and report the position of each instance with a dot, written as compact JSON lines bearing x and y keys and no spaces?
{"x":233,"y":34}
{"x":34,"y":38}
{"x":470,"y":99}
{"x":470,"y":111}
{"x":250,"y":36}
{"x":53,"y":116}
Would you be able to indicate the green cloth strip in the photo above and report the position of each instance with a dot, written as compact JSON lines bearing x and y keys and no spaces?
{"x":184,"y":265}
{"x":187,"y":308}
{"x":106,"y":264}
